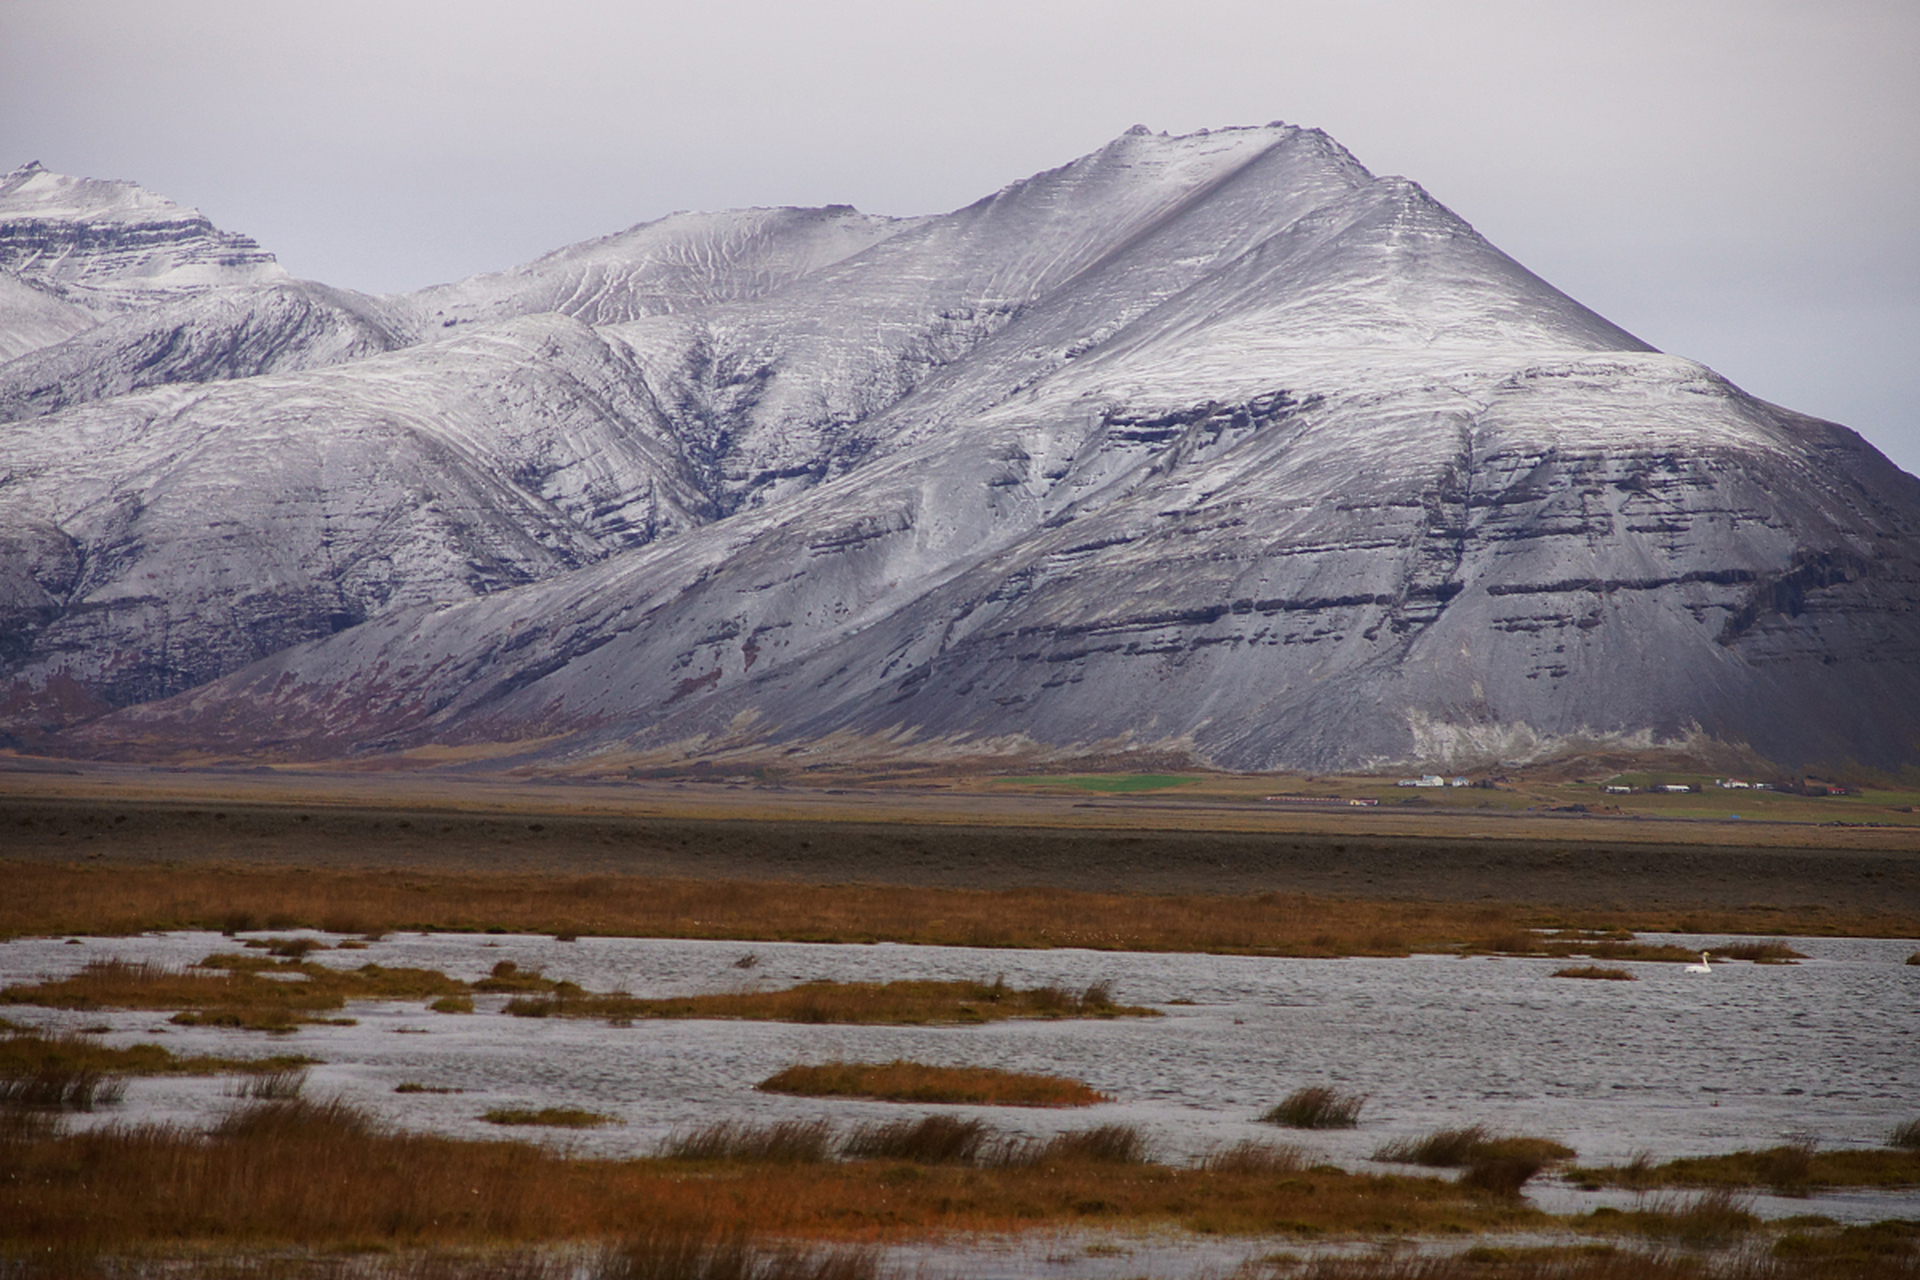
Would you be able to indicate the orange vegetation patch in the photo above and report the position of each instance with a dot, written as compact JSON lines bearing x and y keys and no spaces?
{"x":902,"y":1081}
{"x":251,"y":991}
{"x":323,"y":1175}
{"x":46,"y":899}
{"x":1600,"y":972}
{"x":902,"y":1003}
{"x":25,"y":1053}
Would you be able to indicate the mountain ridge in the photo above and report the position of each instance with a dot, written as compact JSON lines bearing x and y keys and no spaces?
{"x":1216,"y":446}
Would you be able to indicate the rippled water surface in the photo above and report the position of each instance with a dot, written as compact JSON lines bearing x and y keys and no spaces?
{"x":1674,"y":1063}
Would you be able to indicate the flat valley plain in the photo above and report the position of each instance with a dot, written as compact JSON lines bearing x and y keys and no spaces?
{"x":1841,"y":864}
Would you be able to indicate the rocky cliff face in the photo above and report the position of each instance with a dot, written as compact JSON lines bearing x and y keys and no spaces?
{"x":1216,"y":445}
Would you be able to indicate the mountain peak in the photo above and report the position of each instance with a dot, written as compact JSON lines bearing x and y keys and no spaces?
{"x":117,"y":239}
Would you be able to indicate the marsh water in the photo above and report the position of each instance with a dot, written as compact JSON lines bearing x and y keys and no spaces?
{"x":1673,"y":1063}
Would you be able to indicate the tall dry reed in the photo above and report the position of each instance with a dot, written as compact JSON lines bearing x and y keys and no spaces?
{"x":1316,"y":1107}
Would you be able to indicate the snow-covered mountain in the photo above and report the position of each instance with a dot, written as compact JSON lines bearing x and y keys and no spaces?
{"x":111,"y":244}
{"x":1215,"y":446}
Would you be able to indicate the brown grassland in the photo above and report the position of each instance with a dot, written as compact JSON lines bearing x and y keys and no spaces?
{"x":232,"y":990}
{"x":26,"y":1053}
{"x":258,"y":993}
{"x":324,"y":1175}
{"x":1792,"y":1169}
{"x":902,"y":1081}
{"x":49,"y":899}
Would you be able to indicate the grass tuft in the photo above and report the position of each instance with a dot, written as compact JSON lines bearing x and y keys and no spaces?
{"x":61,"y":1089}
{"x":1464,"y":1148}
{"x":1317,"y":1107}
{"x":1711,"y":1219}
{"x":682,"y":1253}
{"x":1792,"y":1169}
{"x":1441,"y":1149}
{"x":1102,"y":1144}
{"x":787,"y":1142}
{"x":1759,"y":952}
{"x":272,"y":1086}
{"x":1502,"y":1175}
{"x":548,"y":1117}
{"x":1249,"y":1157}
{"x":299,"y":1121}
{"x":936,"y":1139}
{"x":1600,"y":972}
{"x":1907,"y":1136}
{"x":1788,"y":1169}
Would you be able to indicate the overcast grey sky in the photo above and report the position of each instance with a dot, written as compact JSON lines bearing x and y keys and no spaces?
{"x":1733,"y":180}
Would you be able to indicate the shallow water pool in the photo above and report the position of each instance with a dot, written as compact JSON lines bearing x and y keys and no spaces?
{"x":1673,"y":1063}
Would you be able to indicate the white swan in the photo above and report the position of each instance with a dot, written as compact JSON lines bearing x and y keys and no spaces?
{"x":1702,"y":967}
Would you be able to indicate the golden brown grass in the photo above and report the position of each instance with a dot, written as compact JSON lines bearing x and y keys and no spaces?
{"x":782,"y":1142}
{"x":1600,"y":972}
{"x":903,"y":1003}
{"x":1759,"y":952}
{"x":1317,"y":1107}
{"x":45,"y":899}
{"x":510,"y":977}
{"x":26,"y":1053}
{"x":324,"y":1175}
{"x":1854,"y":1250}
{"x":1791,"y":1169}
{"x":934,"y":1139}
{"x":1457,"y":1148}
{"x":715,"y":1253}
{"x":251,"y":991}
{"x":1248,"y":1156}
{"x":263,"y":994}
{"x":548,"y":1117}
{"x":903,"y":1081}
{"x":1710,"y":1219}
